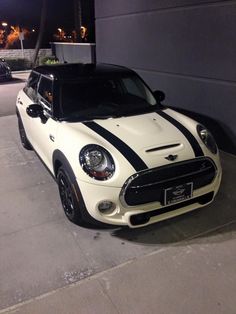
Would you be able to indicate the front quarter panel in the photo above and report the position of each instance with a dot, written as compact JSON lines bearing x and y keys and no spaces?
{"x":72,"y":140}
{"x":22,"y":102}
{"x":191,"y":125}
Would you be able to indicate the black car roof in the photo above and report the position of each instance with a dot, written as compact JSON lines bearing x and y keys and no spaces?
{"x":72,"y":71}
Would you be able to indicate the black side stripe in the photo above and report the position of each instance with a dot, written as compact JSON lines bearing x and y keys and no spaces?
{"x":191,"y":139}
{"x":123,"y":148}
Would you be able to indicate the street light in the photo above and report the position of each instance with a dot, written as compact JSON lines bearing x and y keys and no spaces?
{"x":4,"y":24}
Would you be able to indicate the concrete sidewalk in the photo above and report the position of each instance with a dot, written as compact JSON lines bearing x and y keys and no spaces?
{"x":198,"y":276}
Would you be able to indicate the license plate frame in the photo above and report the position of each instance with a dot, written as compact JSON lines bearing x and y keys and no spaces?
{"x":178,"y":193}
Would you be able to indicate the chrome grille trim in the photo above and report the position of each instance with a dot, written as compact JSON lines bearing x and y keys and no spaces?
{"x":171,"y":165}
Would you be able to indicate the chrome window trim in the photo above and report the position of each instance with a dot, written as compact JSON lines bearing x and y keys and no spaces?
{"x":48,"y":109}
{"x":25,"y":89}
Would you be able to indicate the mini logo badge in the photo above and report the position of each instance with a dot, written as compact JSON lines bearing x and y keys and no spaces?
{"x":179,"y":192}
{"x":171,"y":157}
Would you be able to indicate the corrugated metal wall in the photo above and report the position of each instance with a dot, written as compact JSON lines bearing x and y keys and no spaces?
{"x":186,"y":48}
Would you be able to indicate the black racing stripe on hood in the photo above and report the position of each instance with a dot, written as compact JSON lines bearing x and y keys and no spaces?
{"x":189,"y":136}
{"x":123,"y":148}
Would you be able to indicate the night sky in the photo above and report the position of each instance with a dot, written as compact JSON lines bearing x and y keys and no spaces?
{"x":26,"y":13}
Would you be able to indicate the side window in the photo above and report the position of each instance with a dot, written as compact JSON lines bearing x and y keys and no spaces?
{"x":31,"y":86}
{"x":45,"y":93}
{"x":132,"y":88}
{"x":135,"y":87}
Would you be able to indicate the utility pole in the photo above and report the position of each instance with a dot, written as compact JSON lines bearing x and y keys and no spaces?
{"x":41,"y":31}
{"x":21,"y":38}
{"x":78,"y":18}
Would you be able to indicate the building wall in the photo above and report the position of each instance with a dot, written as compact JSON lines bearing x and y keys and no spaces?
{"x":28,"y":53}
{"x":187,"y":48}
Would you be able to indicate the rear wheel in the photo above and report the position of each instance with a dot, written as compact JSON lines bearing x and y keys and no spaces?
{"x":23,"y":137}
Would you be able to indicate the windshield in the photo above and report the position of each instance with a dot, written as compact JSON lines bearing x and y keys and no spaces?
{"x":104,"y":97}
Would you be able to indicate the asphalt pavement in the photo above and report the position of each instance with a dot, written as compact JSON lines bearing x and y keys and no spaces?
{"x":49,"y":265}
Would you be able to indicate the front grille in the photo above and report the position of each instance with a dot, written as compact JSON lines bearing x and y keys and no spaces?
{"x":149,"y":185}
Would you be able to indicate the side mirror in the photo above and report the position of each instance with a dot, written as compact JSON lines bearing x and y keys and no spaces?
{"x":159,"y":95}
{"x":35,"y":111}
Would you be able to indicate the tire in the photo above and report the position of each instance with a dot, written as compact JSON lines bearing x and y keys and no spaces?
{"x":23,"y":137}
{"x":71,"y":199}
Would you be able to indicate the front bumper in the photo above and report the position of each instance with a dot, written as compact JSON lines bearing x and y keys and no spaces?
{"x":145,"y":214}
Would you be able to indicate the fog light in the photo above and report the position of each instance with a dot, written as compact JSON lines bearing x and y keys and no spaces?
{"x":106,"y":207}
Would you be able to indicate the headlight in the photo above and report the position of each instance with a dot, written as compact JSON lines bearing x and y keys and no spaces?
{"x":97,"y":162}
{"x":207,"y":138}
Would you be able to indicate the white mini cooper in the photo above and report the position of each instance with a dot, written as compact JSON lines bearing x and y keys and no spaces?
{"x":119,"y":156}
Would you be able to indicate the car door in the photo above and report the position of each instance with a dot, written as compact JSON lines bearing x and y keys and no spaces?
{"x":26,"y":97}
{"x":43,"y":129}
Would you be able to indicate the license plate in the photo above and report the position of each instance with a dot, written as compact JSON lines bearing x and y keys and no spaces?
{"x":178,"y":193}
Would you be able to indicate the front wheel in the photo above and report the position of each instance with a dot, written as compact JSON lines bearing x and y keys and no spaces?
{"x":71,"y":198}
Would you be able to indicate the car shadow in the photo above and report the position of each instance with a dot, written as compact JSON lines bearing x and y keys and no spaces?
{"x":215,"y":222}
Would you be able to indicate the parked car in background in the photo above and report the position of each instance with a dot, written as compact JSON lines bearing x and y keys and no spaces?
{"x":118,"y":155}
{"x":5,"y":71}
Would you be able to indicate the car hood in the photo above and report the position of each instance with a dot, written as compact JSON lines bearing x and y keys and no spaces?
{"x":145,"y":141}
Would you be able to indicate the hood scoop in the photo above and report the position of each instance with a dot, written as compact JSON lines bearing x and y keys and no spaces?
{"x":162,"y":147}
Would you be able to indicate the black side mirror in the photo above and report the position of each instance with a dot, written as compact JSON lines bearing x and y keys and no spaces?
{"x":35,"y":111}
{"x":159,"y":95}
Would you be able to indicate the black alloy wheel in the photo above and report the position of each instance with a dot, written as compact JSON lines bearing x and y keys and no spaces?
{"x":66,"y":194}
{"x":72,"y":200}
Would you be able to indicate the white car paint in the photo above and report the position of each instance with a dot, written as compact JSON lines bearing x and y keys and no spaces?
{"x":110,"y":190}
{"x":141,"y":133}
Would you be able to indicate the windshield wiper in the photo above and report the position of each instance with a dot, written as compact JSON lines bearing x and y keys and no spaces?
{"x":87,"y":118}
{"x":101,"y":117}
{"x":137,"y":111}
